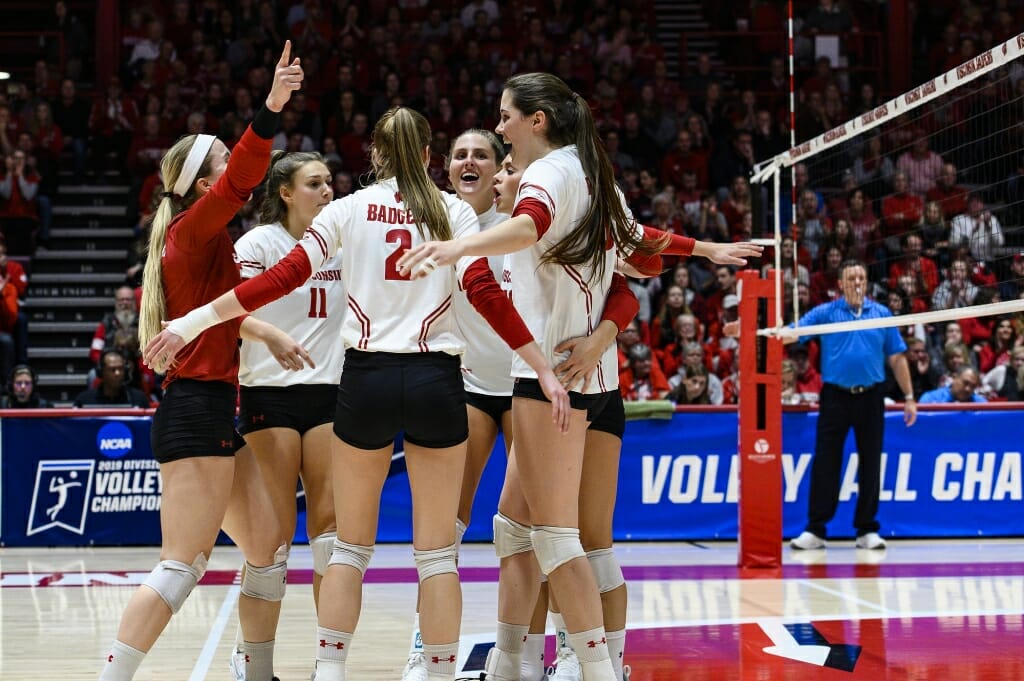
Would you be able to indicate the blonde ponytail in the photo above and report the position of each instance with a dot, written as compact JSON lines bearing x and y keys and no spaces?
{"x":153,"y":310}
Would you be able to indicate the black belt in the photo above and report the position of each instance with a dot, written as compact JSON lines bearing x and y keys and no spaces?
{"x":853,"y":389}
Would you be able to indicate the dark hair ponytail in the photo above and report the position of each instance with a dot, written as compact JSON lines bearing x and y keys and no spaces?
{"x":570,"y":121}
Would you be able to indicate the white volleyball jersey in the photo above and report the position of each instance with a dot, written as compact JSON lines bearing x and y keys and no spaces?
{"x":312,"y":314}
{"x":560,"y":301}
{"x":385,"y":311}
{"x":487,"y":362}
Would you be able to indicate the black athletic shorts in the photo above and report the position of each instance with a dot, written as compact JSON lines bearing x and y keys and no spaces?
{"x":296,"y":407}
{"x":530,"y":389}
{"x":609,"y":417}
{"x":494,"y":406}
{"x":195,"y":418}
{"x":384,"y":393}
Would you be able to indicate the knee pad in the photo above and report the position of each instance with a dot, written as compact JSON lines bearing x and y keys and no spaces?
{"x":510,"y":537}
{"x":267,"y":583}
{"x":607,"y":571}
{"x":433,"y":562}
{"x":460,"y":532}
{"x":555,"y":546}
{"x":322,"y":547}
{"x":173,"y":580}
{"x":352,"y":555}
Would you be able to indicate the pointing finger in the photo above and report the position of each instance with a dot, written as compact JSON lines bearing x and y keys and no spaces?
{"x":286,"y":54}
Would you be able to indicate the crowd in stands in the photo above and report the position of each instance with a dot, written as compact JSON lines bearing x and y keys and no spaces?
{"x":683,"y":148}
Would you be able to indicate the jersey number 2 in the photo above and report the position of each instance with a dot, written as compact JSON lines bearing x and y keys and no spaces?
{"x":403,"y":238}
{"x":318,"y":303}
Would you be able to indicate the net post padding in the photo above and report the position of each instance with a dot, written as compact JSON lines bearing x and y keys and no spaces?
{"x":760,"y":426}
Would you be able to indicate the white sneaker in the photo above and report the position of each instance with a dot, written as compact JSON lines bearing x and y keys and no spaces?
{"x":415,"y":668}
{"x":807,"y":541}
{"x":567,"y":666}
{"x":237,"y":665}
{"x":871,"y":540}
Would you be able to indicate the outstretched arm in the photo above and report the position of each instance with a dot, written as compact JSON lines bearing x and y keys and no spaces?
{"x":251,"y":294}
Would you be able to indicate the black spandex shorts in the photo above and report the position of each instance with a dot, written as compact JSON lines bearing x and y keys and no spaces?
{"x":195,"y":418}
{"x":494,"y":406}
{"x":296,"y":407}
{"x":610,"y":417}
{"x":530,"y":389}
{"x":384,"y":393}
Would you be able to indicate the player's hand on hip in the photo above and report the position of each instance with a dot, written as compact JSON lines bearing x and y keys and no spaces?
{"x":584,"y":355}
{"x":287,"y":79}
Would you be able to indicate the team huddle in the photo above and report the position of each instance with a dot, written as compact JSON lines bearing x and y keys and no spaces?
{"x":399,"y":309}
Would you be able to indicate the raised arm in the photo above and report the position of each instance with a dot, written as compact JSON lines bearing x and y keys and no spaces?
{"x":250,"y":158}
{"x":282,"y":278}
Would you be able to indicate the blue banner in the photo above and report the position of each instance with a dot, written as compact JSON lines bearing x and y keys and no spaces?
{"x":92,"y":480}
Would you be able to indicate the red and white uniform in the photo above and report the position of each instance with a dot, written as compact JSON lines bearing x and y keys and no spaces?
{"x":199,"y":262}
{"x":312,"y":314}
{"x":387,"y":312}
{"x":560,"y":301}
{"x":487,"y":362}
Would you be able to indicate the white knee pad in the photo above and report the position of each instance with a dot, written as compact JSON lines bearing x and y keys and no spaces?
{"x":352,"y":555}
{"x":433,"y":562}
{"x":607,"y":571}
{"x":460,"y":532}
{"x":555,"y":546}
{"x":267,"y":583}
{"x":173,"y":580}
{"x":510,"y":537}
{"x":322,"y":547}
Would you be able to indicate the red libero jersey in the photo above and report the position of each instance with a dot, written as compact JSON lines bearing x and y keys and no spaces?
{"x":199,"y":262}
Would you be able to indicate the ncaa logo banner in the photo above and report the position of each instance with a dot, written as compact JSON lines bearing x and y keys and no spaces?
{"x":61,"y":495}
{"x":78,"y":481}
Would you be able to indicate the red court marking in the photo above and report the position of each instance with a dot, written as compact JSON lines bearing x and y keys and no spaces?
{"x":635,"y":573}
{"x":987,"y":648}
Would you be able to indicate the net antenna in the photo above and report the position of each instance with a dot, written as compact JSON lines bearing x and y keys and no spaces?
{"x":969,"y":119}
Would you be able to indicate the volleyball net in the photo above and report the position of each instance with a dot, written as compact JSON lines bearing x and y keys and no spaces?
{"x":927,"y":191}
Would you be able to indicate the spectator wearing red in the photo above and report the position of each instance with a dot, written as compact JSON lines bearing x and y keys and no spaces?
{"x":736,"y":205}
{"x":915,"y":264}
{"x":19,"y":212}
{"x":825,"y":282}
{"x":124,"y":316}
{"x":808,"y":380}
{"x":9,"y":322}
{"x":354,"y":146}
{"x":901,"y":210}
{"x":643,"y":380}
{"x":1000,"y":344}
{"x":951,"y":197}
{"x":112,"y":121}
{"x":624,"y":341}
{"x":683,"y":158}
{"x":922,"y":165}
{"x":147,"y":147}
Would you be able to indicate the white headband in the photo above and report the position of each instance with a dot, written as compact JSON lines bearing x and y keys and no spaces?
{"x":196,"y":156}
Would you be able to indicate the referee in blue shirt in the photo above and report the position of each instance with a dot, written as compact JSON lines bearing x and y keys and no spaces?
{"x":853,"y":371}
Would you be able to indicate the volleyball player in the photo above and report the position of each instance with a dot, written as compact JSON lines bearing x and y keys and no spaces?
{"x":568,"y":210}
{"x":194,"y":437}
{"x":401,"y":374}
{"x":286,"y":416}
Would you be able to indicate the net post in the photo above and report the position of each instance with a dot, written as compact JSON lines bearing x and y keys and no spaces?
{"x":760,"y":426}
